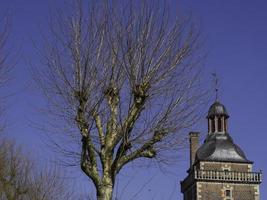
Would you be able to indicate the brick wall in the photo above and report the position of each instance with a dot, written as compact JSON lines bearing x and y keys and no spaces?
{"x":240,"y":167}
{"x":216,"y":191}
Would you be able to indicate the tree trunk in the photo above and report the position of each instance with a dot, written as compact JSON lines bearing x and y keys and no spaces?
{"x":105,"y":190}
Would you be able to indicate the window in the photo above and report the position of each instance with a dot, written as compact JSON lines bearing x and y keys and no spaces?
{"x":212,"y":125}
{"x":228,"y":193}
{"x":220,"y":124}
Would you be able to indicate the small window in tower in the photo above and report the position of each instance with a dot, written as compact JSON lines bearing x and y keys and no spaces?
{"x":220,"y":124}
{"x":213,"y":125}
{"x":228,"y":193}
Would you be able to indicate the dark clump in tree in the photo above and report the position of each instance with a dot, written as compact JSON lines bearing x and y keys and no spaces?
{"x":124,"y":77}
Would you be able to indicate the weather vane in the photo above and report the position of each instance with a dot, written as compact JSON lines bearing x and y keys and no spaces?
{"x":216,"y":83}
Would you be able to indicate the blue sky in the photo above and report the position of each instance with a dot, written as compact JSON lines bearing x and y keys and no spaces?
{"x":235,"y":35}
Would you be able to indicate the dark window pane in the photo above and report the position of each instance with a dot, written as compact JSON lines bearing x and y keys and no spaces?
{"x":228,"y":193}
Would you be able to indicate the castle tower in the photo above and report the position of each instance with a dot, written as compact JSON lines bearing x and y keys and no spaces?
{"x":219,"y":169}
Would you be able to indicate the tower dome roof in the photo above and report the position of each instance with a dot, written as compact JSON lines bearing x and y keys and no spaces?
{"x":220,"y":147}
{"x":217,"y":109}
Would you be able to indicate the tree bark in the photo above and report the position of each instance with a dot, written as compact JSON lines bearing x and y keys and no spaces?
{"x":105,"y":190}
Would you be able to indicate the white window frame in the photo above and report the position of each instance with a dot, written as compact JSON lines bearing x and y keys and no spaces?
{"x":231,"y":193}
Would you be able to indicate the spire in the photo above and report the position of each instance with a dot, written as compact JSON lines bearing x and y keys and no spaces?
{"x":216,"y":84}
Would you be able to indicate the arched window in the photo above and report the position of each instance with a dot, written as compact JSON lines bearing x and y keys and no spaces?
{"x":220,"y":124}
{"x":213,"y":125}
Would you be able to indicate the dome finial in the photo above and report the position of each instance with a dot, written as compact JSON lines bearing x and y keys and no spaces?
{"x":216,"y":84}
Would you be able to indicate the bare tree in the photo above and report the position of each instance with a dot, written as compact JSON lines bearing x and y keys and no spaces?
{"x":14,"y":172}
{"x":122,"y":77}
{"x":20,"y":180}
{"x":19,"y":177}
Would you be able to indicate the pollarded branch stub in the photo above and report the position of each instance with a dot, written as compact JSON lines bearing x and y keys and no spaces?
{"x":112,"y":94}
{"x":81,"y":96}
{"x":149,"y":153}
{"x":159,"y":134}
{"x":140,"y":93}
{"x":80,"y":119}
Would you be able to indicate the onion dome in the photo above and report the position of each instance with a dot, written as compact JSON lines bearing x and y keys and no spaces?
{"x":217,"y":109}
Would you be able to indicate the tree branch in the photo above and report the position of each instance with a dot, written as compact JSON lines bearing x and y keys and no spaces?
{"x":99,"y":126}
{"x":147,"y":150}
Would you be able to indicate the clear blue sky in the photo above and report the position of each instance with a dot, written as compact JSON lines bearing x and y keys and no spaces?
{"x":235,"y":34}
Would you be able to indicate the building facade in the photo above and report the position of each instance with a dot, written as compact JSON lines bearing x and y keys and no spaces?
{"x":219,"y":169}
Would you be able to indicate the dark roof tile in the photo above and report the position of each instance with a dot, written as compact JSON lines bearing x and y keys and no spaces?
{"x":220,"y":147}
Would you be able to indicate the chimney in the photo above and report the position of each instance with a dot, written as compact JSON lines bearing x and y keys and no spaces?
{"x":194,"y":142}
